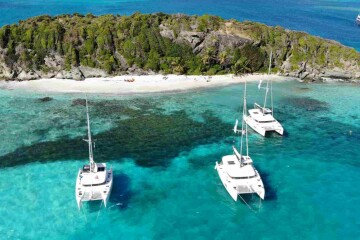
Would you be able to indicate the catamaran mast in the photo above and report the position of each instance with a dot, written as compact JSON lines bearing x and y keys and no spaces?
{"x":244,"y":123}
{"x":242,"y":127}
{"x":271,"y":93}
{"x":267,"y":85}
{"x":89,"y":140}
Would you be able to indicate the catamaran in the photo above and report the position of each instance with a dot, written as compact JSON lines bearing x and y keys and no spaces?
{"x":236,"y":171}
{"x":94,"y":180}
{"x":261,"y":118}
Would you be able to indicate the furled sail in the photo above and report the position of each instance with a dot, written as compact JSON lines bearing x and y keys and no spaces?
{"x":235,"y":127}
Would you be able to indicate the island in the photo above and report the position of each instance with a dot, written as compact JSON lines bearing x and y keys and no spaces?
{"x":86,"y":46}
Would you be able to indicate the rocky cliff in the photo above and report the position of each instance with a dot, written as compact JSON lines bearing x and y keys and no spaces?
{"x":77,"y":47}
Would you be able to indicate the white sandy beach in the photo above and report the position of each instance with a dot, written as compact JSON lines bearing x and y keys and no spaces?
{"x":141,"y":84}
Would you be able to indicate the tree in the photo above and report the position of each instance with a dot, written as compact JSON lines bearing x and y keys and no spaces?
{"x":241,"y":66}
{"x":209,"y":56}
{"x":153,"y":61}
{"x":223,"y":58}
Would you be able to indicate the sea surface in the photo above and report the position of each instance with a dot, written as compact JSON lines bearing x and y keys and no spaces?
{"x":333,"y":19}
{"x":163,"y":148}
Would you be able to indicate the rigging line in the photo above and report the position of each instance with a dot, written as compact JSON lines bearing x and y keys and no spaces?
{"x":247,"y":140}
{"x":272,"y":101}
{"x":83,"y":211}
{"x":259,"y":204}
{"x":246,"y":127}
{"x":247,"y":204}
{"x":99,"y":211}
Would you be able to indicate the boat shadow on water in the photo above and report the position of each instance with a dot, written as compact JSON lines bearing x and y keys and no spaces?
{"x":121,"y":193}
{"x":270,"y":192}
{"x":274,"y":134}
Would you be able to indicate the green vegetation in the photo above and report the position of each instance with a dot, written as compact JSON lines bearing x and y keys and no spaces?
{"x":114,"y":43}
{"x":95,"y":42}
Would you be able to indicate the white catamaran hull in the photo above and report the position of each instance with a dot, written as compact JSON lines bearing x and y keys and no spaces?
{"x":93,"y":193}
{"x":263,"y":128}
{"x":243,"y":186}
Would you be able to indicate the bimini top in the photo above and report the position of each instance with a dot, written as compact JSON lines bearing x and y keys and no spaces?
{"x":97,"y":177}
{"x":259,"y":116}
{"x":235,"y":170}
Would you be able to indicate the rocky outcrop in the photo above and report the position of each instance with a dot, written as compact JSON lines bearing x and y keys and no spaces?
{"x":74,"y":74}
{"x":27,"y":75}
{"x":204,"y":40}
{"x":6,"y":72}
{"x":318,"y":74}
{"x":45,"y":99}
{"x":88,"y":72}
{"x":123,"y":63}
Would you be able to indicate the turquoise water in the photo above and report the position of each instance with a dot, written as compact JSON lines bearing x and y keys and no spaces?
{"x":163,"y":148}
{"x":333,"y":19}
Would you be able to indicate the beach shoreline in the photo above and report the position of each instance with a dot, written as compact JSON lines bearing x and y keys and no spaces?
{"x":132,"y":84}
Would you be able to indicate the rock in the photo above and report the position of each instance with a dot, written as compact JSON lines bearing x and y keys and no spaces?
{"x":60,"y":75}
{"x":166,"y":32}
{"x":54,"y":62}
{"x":293,"y":74}
{"x":45,"y":99}
{"x":74,"y":74}
{"x":228,"y":41}
{"x":89,"y":72}
{"x":336,"y":74}
{"x":302,"y":67}
{"x":357,"y":75}
{"x":303,"y":75}
{"x":200,"y":40}
{"x":6,"y":72}
{"x":122,"y":60}
{"x":286,"y":66}
{"x":135,"y":70}
{"x":78,"y":102}
{"x":23,"y":75}
{"x":194,"y":39}
{"x":49,"y":74}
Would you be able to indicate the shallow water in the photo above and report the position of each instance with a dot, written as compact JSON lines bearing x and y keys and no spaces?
{"x":163,"y":148}
{"x":333,"y":19}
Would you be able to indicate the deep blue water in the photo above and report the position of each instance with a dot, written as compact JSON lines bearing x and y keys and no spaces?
{"x":163,"y":148}
{"x":333,"y":19}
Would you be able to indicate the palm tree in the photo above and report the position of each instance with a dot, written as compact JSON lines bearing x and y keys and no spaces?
{"x":208,"y":56}
{"x":177,"y":66}
{"x":222,"y":58}
{"x":241,"y":66}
